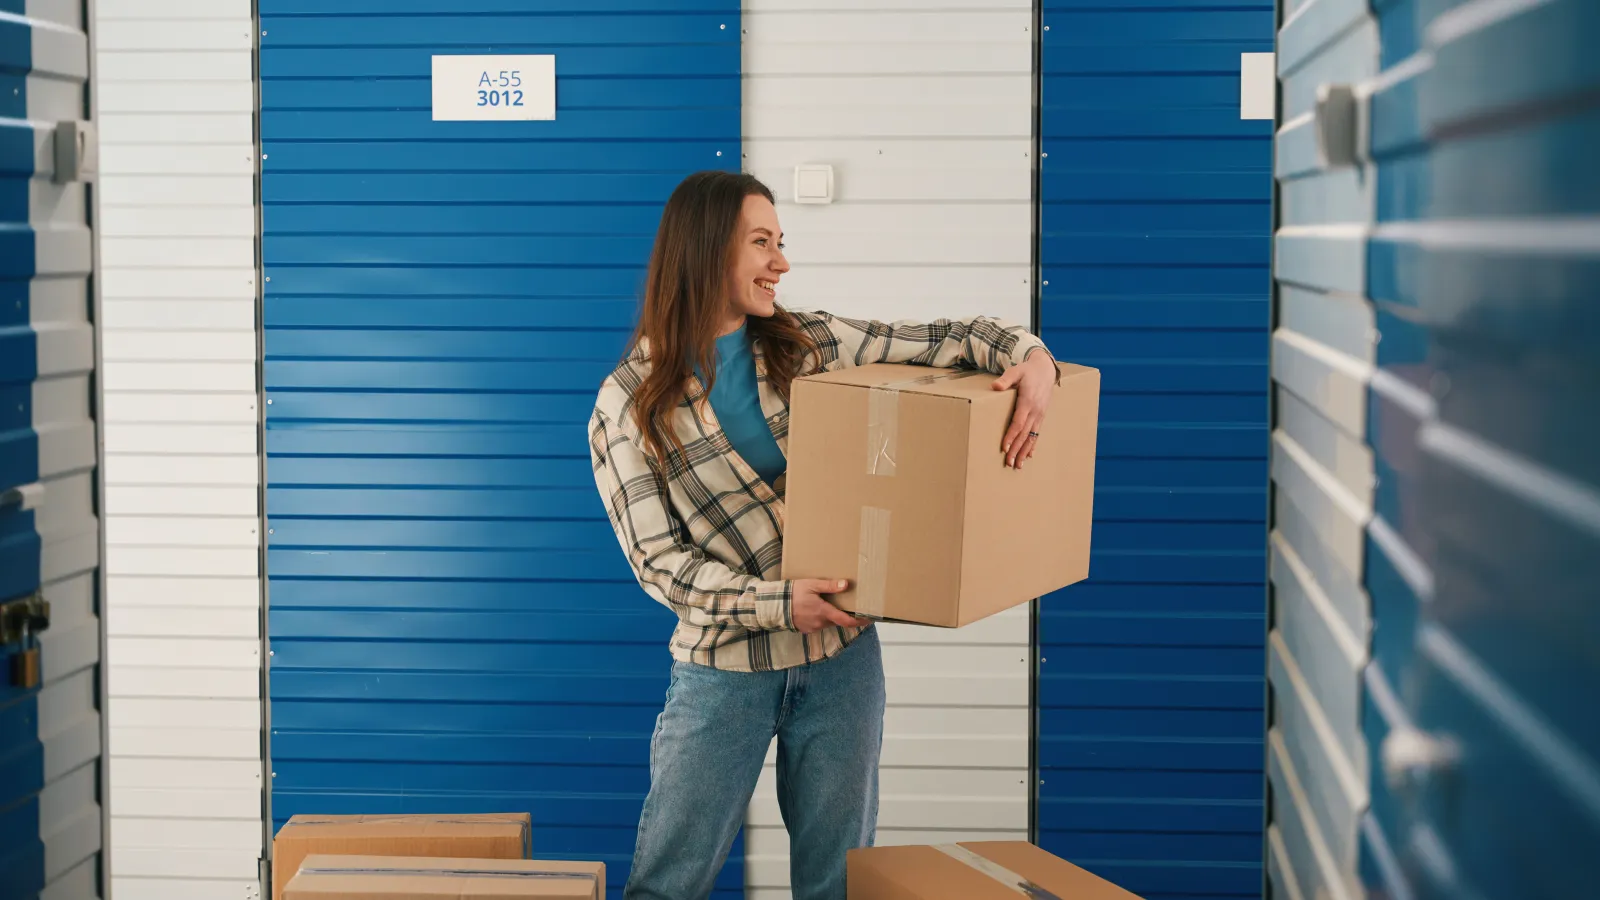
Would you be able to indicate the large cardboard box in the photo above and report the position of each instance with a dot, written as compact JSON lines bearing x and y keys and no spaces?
{"x":897,"y":481}
{"x":480,"y":836}
{"x":986,"y":870}
{"x":403,"y":878}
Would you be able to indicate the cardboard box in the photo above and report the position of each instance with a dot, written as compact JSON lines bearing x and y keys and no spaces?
{"x":897,"y":482}
{"x":482,"y":836}
{"x":988,"y":870}
{"x":401,"y":878}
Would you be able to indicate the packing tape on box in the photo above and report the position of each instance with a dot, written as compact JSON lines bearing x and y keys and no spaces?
{"x":996,"y":871}
{"x":883,"y":418}
{"x":872,"y":561}
{"x":448,"y":873}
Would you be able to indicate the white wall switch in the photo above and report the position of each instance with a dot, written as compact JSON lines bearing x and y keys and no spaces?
{"x":813,"y":183}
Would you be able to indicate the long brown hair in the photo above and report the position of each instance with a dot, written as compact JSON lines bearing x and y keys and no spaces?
{"x":686,"y":301}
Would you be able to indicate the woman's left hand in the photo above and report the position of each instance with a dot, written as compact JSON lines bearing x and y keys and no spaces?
{"x":1035,"y":381}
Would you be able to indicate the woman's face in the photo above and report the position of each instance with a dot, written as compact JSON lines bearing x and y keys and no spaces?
{"x":758,"y":260}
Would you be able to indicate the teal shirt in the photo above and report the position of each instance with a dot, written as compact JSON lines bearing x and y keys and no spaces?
{"x":737,"y":404}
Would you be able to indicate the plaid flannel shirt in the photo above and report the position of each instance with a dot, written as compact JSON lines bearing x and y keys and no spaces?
{"x":704,"y":533}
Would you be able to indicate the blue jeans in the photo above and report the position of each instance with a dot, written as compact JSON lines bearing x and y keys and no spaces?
{"x":709,"y":745}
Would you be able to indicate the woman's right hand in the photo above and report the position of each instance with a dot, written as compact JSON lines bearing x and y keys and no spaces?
{"x":812,"y":612}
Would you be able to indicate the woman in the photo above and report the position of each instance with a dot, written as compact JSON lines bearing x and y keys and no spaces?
{"x":687,"y":441}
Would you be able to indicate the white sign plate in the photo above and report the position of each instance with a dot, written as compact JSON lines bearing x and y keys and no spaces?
{"x":1258,"y":85}
{"x":494,"y":88}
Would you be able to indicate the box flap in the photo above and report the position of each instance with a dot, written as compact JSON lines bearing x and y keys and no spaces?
{"x":954,"y":383}
{"x":379,"y":827}
{"x":329,"y":824}
{"x":958,"y":383}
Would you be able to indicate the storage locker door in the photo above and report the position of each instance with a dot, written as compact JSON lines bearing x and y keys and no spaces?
{"x":51,"y":823}
{"x":452,"y":625}
{"x":1156,"y":198}
{"x":1484,"y":746}
{"x":1322,"y":466}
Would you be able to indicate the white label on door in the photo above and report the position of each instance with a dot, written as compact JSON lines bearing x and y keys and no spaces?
{"x":494,"y":88}
{"x":1258,"y":85}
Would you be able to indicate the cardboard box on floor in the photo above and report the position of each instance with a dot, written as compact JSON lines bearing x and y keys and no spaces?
{"x":897,"y":482}
{"x":986,"y":870}
{"x":404,"y":878}
{"x":471,"y":836}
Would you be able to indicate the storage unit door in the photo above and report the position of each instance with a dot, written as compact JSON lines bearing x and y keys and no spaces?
{"x":51,"y":823}
{"x":1324,"y":349}
{"x":925,"y":112}
{"x":1481,"y":733}
{"x":1156,"y":198}
{"x":452,"y":625}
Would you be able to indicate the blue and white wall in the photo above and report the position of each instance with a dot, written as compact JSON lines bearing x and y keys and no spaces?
{"x":450,"y":625}
{"x":933,"y":218}
{"x":427,"y":529}
{"x":440,"y":299}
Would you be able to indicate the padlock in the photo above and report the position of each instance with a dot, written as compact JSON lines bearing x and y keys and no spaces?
{"x":25,"y":670}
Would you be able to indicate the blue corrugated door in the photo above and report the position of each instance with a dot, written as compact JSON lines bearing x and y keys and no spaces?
{"x":21,"y":753}
{"x":452,"y":625}
{"x":51,"y":825}
{"x":1480,"y":719}
{"x":1155,"y":221}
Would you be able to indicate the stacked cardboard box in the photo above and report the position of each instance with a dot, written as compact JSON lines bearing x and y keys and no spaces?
{"x":989,"y":870}
{"x":405,"y":856}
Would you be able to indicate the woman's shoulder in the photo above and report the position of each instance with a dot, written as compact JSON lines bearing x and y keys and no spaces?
{"x":818,"y":324}
{"x":810,"y":318}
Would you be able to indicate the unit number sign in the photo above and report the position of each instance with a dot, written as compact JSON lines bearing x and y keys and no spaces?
{"x":494,"y":88}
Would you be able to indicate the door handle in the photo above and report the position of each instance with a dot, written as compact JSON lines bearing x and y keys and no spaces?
{"x":1411,"y":757}
{"x":23,"y":497}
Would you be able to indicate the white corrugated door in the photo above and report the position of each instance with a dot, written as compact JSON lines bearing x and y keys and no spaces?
{"x":926,"y":115}
{"x":177,"y":98}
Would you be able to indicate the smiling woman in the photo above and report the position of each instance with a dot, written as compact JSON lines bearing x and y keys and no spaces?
{"x":716,"y":262}
{"x":688,"y":441}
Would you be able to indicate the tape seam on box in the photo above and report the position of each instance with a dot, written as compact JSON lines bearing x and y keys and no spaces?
{"x":995,"y":871}
{"x":883,"y":418}
{"x":872,"y":561}
{"x":883,"y":431}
